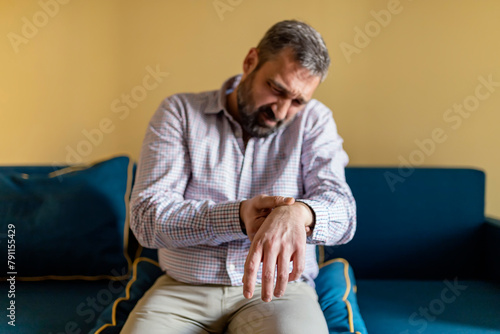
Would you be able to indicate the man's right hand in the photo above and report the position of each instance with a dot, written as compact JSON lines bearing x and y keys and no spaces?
{"x":254,"y":211}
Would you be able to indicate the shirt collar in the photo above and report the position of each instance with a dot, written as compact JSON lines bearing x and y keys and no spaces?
{"x":227,"y":87}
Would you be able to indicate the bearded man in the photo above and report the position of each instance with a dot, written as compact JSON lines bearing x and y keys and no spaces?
{"x":235,"y":188}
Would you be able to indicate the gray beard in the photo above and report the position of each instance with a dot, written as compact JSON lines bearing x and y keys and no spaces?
{"x":250,"y":117}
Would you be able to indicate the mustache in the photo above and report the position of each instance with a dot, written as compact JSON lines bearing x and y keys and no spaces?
{"x":268,"y":111}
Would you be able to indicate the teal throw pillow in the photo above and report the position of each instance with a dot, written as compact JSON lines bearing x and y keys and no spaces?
{"x":145,"y":272}
{"x":336,"y":289}
{"x":71,"y":223}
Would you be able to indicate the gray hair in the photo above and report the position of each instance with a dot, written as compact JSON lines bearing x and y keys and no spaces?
{"x":306,"y":44}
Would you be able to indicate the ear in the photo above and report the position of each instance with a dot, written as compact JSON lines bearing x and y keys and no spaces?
{"x":250,"y":62}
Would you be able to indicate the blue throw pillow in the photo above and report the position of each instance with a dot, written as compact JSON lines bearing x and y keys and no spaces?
{"x":336,"y":289}
{"x":71,"y":223}
{"x":112,"y":319}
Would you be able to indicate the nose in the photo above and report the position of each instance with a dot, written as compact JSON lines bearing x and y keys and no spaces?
{"x":281,"y":109}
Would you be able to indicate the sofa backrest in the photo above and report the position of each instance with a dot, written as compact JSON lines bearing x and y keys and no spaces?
{"x":422,"y":223}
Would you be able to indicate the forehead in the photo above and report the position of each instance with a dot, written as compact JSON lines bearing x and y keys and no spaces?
{"x":287,"y":72}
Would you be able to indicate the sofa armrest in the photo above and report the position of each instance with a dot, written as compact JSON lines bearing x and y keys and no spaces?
{"x":492,"y":240}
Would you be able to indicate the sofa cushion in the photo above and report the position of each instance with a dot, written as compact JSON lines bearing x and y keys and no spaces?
{"x":55,"y":307}
{"x":336,"y":289}
{"x":431,"y":307}
{"x":69,"y":223}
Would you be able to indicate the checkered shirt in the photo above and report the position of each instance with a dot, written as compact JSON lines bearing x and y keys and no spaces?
{"x":194,"y":170}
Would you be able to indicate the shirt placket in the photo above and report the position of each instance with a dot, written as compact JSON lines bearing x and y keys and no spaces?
{"x":234,"y":264}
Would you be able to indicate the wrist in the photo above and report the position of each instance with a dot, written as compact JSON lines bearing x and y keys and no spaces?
{"x":307,"y":214}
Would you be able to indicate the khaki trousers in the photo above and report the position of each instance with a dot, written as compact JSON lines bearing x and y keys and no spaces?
{"x":170,"y":306}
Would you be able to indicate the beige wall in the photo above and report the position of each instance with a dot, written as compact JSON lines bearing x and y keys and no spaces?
{"x":67,"y":68}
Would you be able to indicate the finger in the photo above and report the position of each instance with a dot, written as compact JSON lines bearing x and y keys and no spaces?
{"x":283,"y":273}
{"x":252,"y":264}
{"x":268,"y":270}
{"x":298,"y":264}
{"x":270,"y":202}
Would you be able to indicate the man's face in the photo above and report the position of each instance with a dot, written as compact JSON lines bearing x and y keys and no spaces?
{"x":269,"y":97}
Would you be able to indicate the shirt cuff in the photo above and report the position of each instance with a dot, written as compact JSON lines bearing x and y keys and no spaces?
{"x":321,"y":221}
{"x":225,"y":221}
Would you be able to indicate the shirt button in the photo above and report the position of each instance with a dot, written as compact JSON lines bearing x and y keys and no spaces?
{"x":237,"y":133}
{"x":232,"y":267}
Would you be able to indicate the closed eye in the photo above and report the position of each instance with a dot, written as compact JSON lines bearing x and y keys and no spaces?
{"x":284,"y":93}
{"x":275,"y":89}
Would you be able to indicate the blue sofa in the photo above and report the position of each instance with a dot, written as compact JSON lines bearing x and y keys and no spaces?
{"x":424,"y":258}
